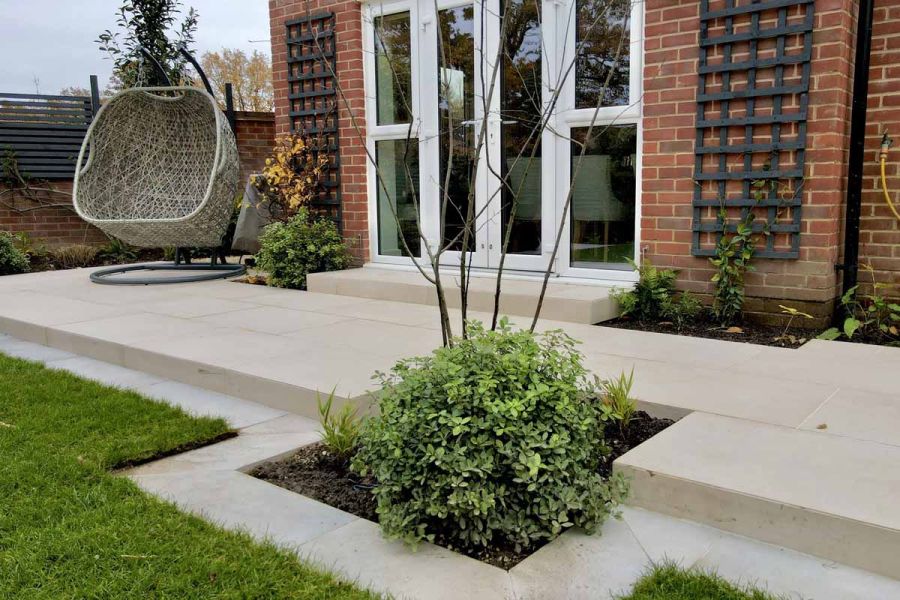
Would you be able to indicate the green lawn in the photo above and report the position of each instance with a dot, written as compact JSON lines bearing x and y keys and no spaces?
{"x":668,"y":582}
{"x":70,"y":529}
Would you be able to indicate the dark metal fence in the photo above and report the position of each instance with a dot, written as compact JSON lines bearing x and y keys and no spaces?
{"x":44,"y":133}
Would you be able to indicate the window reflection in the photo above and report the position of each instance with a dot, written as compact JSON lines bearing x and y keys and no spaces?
{"x":398,"y":189}
{"x":456,"y":112}
{"x":521,"y":108}
{"x":602,"y":35}
{"x":393,"y":76}
{"x":603,"y":196}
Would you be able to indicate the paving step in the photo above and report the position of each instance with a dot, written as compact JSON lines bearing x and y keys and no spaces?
{"x":569,"y":302}
{"x":826,"y":495}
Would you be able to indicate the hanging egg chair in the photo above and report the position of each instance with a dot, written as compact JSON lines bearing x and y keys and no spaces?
{"x":159,"y":168}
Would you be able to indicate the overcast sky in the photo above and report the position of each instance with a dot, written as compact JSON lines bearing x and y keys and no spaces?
{"x":53,"y":40}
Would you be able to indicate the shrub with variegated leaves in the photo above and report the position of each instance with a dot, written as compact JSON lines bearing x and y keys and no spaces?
{"x":494,"y":440}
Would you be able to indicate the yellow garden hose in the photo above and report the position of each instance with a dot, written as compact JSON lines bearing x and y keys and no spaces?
{"x":885,"y":147}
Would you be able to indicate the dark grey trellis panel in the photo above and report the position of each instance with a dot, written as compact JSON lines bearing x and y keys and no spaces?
{"x":312,"y":63}
{"x":44,"y":132}
{"x":738,"y":26}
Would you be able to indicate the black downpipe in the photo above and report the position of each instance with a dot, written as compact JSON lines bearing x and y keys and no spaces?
{"x":850,"y":266}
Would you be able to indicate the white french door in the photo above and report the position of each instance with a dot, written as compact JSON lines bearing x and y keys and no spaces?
{"x":513,"y":184}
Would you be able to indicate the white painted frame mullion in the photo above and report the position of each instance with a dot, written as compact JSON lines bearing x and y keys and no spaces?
{"x":375,"y":132}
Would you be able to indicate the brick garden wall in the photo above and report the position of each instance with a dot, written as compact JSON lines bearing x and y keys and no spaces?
{"x":348,"y":38}
{"x":256,"y":135}
{"x":880,"y":230}
{"x":670,"y":84}
{"x":60,"y":226}
{"x":57,"y":226}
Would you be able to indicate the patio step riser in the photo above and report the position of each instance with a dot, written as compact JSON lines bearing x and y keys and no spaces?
{"x":842,"y":540}
{"x":373,"y":284}
{"x":271,"y":393}
{"x":832,"y":496}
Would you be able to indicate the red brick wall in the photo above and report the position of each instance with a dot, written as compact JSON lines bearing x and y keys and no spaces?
{"x":56,"y":226}
{"x":880,"y":230}
{"x":255,"y":137}
{"x":348,"y":37}
{"x":670,"y":84}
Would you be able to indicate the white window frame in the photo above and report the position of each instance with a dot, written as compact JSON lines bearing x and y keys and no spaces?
{"x":377,"y":133}
{"x":556,"y":170}
{"x":569,"y":117}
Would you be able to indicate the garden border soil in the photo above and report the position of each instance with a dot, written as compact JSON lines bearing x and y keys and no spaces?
{"x":750,"y":333}
{"x":312,"y":471}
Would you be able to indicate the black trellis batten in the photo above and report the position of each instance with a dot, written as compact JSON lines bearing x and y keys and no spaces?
{"x":764,"y":119}
{"x":44,"y":132}
{"x":312,"y":94}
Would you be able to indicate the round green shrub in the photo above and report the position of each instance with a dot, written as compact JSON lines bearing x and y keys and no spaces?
{"x":12,"y":260}
{"x":290,"y":251}
{"x":496,"y":440}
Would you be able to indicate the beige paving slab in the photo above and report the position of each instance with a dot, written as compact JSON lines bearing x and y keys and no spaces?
{"x":30,"y":351}
{"x":140,"y":326}
{"x":241,"y":452}
{"x":201,"y":402}
{"x":792,"y":574}
{"x":863,"y":367}
{"x":677,"y":349}
{"x":578,"y":566}
{"x":272,"y":319}
{"x":43,"y":309}
{"x":104,"y":372}
{"x":828,"y":495}
{"x":720,"y":391}
{"x":224,"y":347}
{"x":371,"y":337}
{"x":189,"y":306}
{"x":859,"y":414}
{"x":586,"y":303}
{"x":400,"y":313}
{"x":238,"y":501}
{"x":300,"y":300}
{"x":668,"y":539}
{"x":321,"y":368}
{"x":359,"y":553}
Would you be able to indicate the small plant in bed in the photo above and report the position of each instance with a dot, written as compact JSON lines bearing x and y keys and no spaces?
{"x":868,"y":318}
{"x":492,"y":447}
{"x":654,"y":305}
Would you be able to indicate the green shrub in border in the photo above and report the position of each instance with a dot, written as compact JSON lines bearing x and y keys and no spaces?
{"x":290,"y":251}
{"x":650,"y":296}
{"x":12,"y":260}
{"x":495,"y":440}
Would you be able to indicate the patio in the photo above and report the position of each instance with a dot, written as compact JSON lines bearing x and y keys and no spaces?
{"x":771,"y":439}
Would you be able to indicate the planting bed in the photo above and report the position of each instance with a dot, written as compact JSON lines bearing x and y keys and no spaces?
{"x":314,"y":472}
{"x":749,"y":333}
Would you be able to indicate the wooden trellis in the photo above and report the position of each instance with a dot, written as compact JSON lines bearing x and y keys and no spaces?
{"x":313,"y":98}
{"x":752,"y":103}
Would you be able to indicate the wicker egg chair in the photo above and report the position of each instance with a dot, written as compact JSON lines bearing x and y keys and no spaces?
{"x":161,"y":170}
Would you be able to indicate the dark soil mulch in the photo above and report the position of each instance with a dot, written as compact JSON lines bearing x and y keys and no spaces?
{"x":314,"y":472}
{"x":641,"y":428}
{"x":749,"y":333}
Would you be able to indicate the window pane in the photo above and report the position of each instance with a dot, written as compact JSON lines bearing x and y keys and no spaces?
{"x":603,"y":196}
{"x":392,"y":69}
{"x":398,"y":162}
{"x":456,"y":111}
{"x":521,"y":107}
{"x":602,"y":35}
